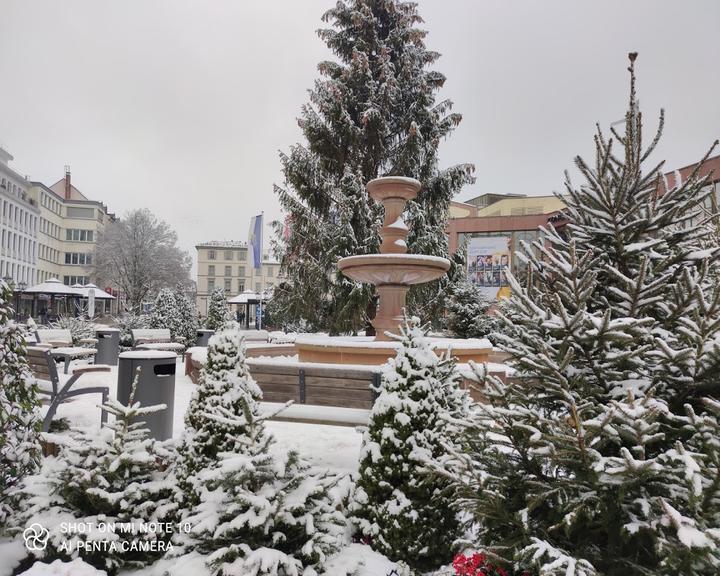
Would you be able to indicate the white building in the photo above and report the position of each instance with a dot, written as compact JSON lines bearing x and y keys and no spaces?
{"x":20,"y":216}
{"x":226,"y":265}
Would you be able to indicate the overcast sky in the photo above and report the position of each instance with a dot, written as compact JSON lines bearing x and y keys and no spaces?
{"x":181,"y":106}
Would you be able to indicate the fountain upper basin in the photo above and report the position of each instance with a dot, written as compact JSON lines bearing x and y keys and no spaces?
{"x":404,"y":269}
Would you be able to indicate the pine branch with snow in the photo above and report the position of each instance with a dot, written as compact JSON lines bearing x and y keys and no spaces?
{"x":19,"y":406}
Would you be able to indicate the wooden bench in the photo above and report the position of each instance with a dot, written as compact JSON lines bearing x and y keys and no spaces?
{"x":43,"y":366}
{"x":156,"y":339}
{"x":307,"y":383}
{"x":63,"y":348}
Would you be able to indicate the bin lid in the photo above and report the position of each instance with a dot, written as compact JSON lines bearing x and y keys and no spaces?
{"x":148,"y":354}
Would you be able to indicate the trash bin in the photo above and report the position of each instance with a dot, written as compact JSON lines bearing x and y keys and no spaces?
{"x":108,"y":346}
{"x":203,"y":337}
{"x":156,"y":386}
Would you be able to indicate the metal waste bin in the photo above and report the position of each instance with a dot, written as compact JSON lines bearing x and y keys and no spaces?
{"x":203,"y":337}
{"x":108,"y":346}
{"x":155,"y":386}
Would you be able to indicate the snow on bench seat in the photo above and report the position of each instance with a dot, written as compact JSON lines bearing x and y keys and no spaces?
{"x":312,"y":414}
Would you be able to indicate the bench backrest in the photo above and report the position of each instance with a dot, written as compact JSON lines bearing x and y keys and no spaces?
{"x":53,"y":335}
{"x":42,"y":364}
{"x":141,"y":335}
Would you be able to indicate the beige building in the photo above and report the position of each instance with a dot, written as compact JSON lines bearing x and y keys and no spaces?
{"x":227,"y":265}
{"x":67,"y":232}
{"x":19,"y":221}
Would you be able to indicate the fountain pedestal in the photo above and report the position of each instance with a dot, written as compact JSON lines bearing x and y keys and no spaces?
{"x":393,"y":271}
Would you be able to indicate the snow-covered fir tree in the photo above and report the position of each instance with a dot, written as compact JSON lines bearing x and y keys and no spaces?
{"x":218,"y":311}
{"x":19,"y":406}
{"x":468,"y":312}
{"x":187,"y":320}
{"x":374,"y":112}
{"x":165,"y":312}
{"x":407,"y":514}
{"x":114,"y":476}
{"x":252,"y":511}
{"x":604,"y":457}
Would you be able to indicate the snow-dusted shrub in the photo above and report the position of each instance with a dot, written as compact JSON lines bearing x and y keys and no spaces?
{"x":406,"y":513}
{"x":105,"y":479}
{"x":127,"y":322}
{"x":187,"y":318}
{"x":218,"y":311}
{"x":605,"y":458}
{"x":19,"y":415}
{"x":252,"y":511}
{"x":467,"y":312}
{"x":79,"y":326}
{"x":165,"y":312}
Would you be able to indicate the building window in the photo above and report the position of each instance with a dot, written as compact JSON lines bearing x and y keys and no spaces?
{"x":228,"y":255}
{"x":241,"y":286}
{"x":78,"y":258}
{"x":211,"y":284}
{"x":228,"y":286}
{"x":228,"y":270}
{"x":70,"y":280}
{"x":211,"y":270}
{"x":270,"y":271}
{"x":75,"y":235}
{"x":211,"y":254}
{"x":257,"y":287}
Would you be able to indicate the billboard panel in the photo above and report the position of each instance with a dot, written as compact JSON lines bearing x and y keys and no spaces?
{"x":487,"y":258}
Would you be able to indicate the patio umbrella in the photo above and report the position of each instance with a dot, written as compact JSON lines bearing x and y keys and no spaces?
{"x":54,"y":287}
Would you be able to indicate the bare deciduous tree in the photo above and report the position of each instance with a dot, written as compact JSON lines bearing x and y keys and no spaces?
{"x":139,"y":254}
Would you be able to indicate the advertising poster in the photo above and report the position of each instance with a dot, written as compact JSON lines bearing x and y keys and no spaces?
{"x":488,"y":257}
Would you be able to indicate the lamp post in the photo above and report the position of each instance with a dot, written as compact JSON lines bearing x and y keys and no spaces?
{"x":21,"y":289}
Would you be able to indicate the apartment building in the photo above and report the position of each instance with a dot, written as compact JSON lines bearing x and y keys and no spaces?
{"x":68,"y":231}
{"x":19,"y":222}
{"x":227,"y":265}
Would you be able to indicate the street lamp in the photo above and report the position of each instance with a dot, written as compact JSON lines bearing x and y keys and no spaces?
{"x":21,"y":288}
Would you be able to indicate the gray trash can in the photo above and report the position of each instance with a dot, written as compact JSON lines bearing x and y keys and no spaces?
{"x":156,"y":386}
{"x":108,"y":346}
{"x":203,"y":336}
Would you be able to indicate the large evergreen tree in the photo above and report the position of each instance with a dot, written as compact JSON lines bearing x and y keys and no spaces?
{"x":605,"y":458}
{"x":374,"y":112}
{"x":407,"y":514}
{"x":19,"y":406}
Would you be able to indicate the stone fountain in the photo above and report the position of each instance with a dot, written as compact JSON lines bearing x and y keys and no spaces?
{"x":393,"y":271}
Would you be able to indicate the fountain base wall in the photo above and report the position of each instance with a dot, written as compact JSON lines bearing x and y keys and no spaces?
{"x":369,"y":352}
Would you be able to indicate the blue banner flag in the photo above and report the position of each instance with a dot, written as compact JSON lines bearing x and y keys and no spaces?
{"x":255,"y":239}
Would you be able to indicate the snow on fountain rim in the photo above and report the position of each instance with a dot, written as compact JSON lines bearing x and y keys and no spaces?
{"x":396,"y":256}
{"x":370,"y":342}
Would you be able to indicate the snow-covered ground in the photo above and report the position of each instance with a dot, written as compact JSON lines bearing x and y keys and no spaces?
{"x":334,"y":448}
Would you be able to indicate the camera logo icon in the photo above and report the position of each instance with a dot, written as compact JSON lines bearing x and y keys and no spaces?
{"x":36,"y":537}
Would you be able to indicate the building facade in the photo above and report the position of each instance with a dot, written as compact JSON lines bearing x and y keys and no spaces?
{"x":19,"y":223}
{"x":228,"y":266}
{"x":68,"y":231}
{"x":518,"y":217}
